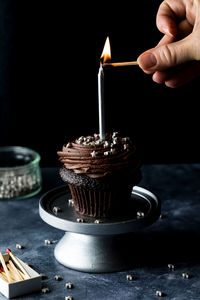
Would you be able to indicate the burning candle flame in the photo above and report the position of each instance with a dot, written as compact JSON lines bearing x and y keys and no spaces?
{"x":106,"y":54}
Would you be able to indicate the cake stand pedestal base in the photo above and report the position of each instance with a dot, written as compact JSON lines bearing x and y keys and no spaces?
{"x":108,"y":246}
{"x":92,"y":253}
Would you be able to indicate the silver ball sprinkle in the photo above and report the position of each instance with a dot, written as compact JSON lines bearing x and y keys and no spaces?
{"x":19,"y":246}
{"x":140,"y":214}
{"x":159,"y":293}
{"x":113,"y":151}
{"x":81,"y":138}
{"x":98,"y":221}
{"x":71,"y":202}
{"x":106,"y":153}
{"x":98,"y":142}
{"x":185,"y":275}
{"x":56,"y":209}
{"x":69,"y":285}
{"x":115,"y":140}
{"x":48,"y":242}
{"x":126,"y":146}
{"x":115,"y":133}
{"x":69,"y":145}
{"x":79,"y":220}
{"x":45,"y":290}
{"x":125,"y":139}
{"x":106,"y":144}
{"x":68,"y":298}
{"x":89,"y":139}
{"x":57,"y":277}
{"x":171,"y":266}
{"x":130,"y":277}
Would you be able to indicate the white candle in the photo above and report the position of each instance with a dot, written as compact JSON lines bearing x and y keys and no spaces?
{"x":105,"y":57}
{"x":101,"y":102}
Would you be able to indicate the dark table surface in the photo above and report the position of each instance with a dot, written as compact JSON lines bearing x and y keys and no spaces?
{"x":172,"y":239}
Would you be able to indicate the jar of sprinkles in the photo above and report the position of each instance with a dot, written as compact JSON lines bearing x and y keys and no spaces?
{"x":20,"y":175}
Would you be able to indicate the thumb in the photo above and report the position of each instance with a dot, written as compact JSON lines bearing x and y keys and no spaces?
{"x":168,"y":55}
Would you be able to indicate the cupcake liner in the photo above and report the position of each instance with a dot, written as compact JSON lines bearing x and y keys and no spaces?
{"x":100,"y":198}
{"x":100,"y":203}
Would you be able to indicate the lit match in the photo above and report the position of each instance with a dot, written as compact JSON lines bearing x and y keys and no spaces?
{"x":106,"y":57}
{"x":122,"y":64}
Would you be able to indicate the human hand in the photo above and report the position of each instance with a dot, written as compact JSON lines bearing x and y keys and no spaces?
{"x":176,"y":59}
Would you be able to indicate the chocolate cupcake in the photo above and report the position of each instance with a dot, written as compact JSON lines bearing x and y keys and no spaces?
{"x":100,"y":173}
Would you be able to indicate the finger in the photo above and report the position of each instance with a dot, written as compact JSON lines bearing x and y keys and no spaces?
{"x":168,"y":56}
{"x":165,"y":40}
{"x":184,"y":29}
{"x":144,"y":70}
{"x":168,"y":13}
{"x":148,"y":72}
{"x":182,"y":78}
{"x":162,"y":76}
{"x":175,"y":78}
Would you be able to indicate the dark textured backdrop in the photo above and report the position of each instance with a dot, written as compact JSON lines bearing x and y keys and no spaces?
{"x":49,"y":59}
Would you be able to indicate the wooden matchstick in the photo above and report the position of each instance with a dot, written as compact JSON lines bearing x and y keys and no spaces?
{"x":5,"y":267}
{"x":3,"y":275}
{"x":18,"y":264}
{"x":12,"y":272}
{"x":15,"y":272}
{"x":122,"y":64}
{"x":12,"y":277}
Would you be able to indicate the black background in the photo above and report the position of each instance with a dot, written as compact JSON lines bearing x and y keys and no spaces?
{"x":49,"y":60}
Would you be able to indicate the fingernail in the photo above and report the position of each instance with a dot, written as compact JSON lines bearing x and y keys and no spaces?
{"x":147,"y":61}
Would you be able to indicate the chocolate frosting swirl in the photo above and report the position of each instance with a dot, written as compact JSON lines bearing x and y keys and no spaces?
{"x":97,"y":158}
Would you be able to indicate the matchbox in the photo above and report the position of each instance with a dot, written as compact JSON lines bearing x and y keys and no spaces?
{"x":19,"y":288}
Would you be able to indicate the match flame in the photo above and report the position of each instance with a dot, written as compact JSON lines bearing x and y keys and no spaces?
{"x":106,"y":54}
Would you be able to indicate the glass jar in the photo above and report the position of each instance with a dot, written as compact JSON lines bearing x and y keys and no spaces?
{"x":20,"y":175}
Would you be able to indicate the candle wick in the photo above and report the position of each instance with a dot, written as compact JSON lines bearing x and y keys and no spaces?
{"x":101,"y":69}
{"x":101,"y":60}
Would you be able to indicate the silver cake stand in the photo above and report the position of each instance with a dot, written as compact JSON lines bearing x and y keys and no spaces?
{"x":97,"y":246}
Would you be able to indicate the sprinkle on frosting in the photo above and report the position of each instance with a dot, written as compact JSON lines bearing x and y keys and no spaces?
{"x":93,"y":153}
{"x":106,"y":144}
{"x":106,"y":153}
{"x":68,"y":145}
{"x":95,"y":157}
